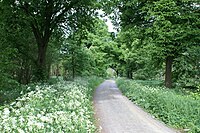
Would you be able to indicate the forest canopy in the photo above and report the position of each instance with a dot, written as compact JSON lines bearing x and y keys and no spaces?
{"x":156,"y":40}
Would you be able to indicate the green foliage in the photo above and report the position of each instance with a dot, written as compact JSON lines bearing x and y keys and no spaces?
{"x":76,"y":57}
{"x":93,"y":82}
{"x":30,"y":36}
{"x":174,"y":29}
{"x":155,"y":32}
{"x":102,"y":47}
{"x":89,"y":52}
{"x":10,"y":93}
{"x":43,"y":19}
{"x":152,"y":83}
{"x":16,"y":58}
{"x":111,"y":73}
{"x":187,"y":69}
{"x":176,"y":109}
{"x":64,"y":106}
{"x":170,"y":22}
{"x":137,"y":55}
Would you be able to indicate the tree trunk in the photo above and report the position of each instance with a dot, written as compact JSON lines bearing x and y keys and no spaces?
{"x":129,"y":74}
{"x":49,"y":71}
{"x":41,"y":73}
{"x":168,"y":72}
{"x":27,"y":72}
{"x":73,"y":66}
{"x":57,"y":70}
{"x":117,"y":72}
{"x":42,"y":43}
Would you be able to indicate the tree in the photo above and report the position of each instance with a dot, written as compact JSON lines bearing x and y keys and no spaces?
{"x":103,"y":48}
{"x":136,"y":59}
{"x":16,"y":40}
{"x":75,"y":56}
{"x":175,"y":28}
{"x":187,"y":69}
{"x":44,"y":17}
{"x":132,"y":35}
{"x":167,"y":28}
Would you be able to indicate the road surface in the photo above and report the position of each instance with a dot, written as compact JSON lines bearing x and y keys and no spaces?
{"x":116,"y":114}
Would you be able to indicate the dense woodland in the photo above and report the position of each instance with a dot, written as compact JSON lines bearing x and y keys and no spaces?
{"x":156,"y":46}
{"x":155,"y":40}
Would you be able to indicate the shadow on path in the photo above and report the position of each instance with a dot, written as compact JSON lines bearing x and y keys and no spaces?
{"x":116,"y":114}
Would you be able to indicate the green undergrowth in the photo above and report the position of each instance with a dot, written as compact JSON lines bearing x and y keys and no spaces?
{"x":179,"y":110}
{"x":9,"y":94}
{"x":64,"y":106}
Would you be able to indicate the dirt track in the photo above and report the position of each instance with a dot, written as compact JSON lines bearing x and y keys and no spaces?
{"x":116,"y":114}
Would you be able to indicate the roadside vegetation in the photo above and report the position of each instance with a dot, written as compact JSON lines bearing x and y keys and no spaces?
{"x":62,"y":107}
{"x":179,"y":109}
{"x":40,"y":39}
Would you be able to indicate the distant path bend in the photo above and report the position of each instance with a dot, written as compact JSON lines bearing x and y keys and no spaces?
{"x":116,"y":114}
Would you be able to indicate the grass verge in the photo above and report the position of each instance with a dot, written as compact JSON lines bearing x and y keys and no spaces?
{"x":175,"y":109}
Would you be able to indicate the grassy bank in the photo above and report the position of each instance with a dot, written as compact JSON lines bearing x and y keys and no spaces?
{"x":65,"y":106}
{"x":177,"y":109}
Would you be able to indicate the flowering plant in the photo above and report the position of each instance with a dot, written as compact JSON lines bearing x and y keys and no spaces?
{"x":62,"y":107}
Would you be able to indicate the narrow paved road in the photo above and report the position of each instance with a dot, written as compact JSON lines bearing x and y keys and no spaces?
{"x":116,"y":114}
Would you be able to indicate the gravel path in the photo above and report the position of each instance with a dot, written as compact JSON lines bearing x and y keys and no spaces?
{"x":116,"y":114}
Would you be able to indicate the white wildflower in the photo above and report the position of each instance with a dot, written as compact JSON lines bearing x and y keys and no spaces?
{"x":21,"y":120}
{"x":20,"y":130}
{"x":46,"y":119}
{"x":18,"y":104}
{"x":14,"y":122}
{"x":6,"y":111}
{"x":13,"y":103}
{"x":39,"y":125}
{"x":29,"y":88}
{"x":39,"y":115}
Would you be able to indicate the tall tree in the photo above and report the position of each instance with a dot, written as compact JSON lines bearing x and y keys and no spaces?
{"x":171,"y":27}
{"x":44,"y":16}
{"x":175,"y":28}
{"x":134,"y":57}
{"x":75,"y":56}
{"x":130,"y":16}
{"x":102,"y":47}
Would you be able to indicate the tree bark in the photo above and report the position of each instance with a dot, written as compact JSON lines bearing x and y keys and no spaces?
{"x":42,"y":43}
{"x":57,"y":70}
{"x":129,"y":74}
{"x":168,"y":72}
{"x":117,"y":72}
{"x":41,"y":73}
{"x":73,"y":66}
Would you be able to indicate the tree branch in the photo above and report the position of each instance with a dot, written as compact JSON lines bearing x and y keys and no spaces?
{"x":58,"y":18}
